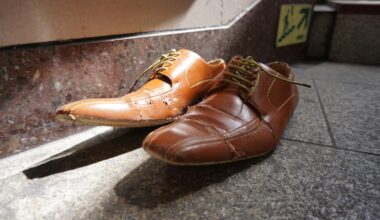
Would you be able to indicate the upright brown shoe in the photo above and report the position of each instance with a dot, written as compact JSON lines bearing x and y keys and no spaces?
{"x":243,"y":117}
{"x":179,"y":79}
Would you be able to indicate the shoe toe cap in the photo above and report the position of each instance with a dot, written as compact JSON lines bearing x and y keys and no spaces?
{"x":64,"y":113}
{"x":102,"y":109}
{"x":178,"y":146}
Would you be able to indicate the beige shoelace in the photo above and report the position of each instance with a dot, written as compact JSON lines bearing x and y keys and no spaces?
{"x":158,"y":65}
{"x":239,"y":73}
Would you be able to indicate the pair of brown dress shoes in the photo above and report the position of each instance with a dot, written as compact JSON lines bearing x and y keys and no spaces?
{"x":245,"y":108}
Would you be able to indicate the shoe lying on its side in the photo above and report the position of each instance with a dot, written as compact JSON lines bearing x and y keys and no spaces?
{"x":244,"y":116}
{"x":179,"y":79}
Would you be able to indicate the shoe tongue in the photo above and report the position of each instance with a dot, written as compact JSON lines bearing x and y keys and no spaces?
{"x":167,"y":77}
{"x":178,"y":67}
{"x":224,"y":86}
{"x":230,"y":87}
{"x":227,"y":100}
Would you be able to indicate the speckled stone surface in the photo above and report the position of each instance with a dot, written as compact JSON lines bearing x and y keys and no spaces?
{"x":356,"y":38}
{"x":308,"y":123}
{"x":297,"y":181}
{"x":35,"y":81}
{"x":353,"y":111}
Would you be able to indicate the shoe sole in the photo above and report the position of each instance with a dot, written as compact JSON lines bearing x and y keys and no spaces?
{"x":156,"y":156}
{"x":101,"y":122}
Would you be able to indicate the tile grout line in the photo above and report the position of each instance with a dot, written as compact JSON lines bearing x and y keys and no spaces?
{"x":306,"y":142}
{"x":324,"y":115}
{"x":330,"y":146}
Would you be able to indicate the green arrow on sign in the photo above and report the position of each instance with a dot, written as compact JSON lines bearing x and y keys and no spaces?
{"x":305,"y":18}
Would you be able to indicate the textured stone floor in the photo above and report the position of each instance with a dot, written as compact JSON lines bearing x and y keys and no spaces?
{"x":326,"y":167}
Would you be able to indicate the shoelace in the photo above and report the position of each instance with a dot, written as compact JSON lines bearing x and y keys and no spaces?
{"x":158,"y":65}
{"x":240,"y":75}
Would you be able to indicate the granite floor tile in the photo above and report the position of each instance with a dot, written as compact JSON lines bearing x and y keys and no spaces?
{"x":81,"y":193}
{"x":18,"y":162}
{"x":305,"y":65}
{"x":308,"y":123}
{"x":301,"y":69}
{"x":353,"y":112}
{"x":297,"y":181}
{"x":345,"y":72}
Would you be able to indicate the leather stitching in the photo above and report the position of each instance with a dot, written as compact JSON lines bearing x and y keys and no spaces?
{"x":286,"y":101}
{"x":123,"y":100}
{"x":214,"y":140}
{"x":209,"y":127}
{"x":218,"y":110}
{"x":252,"y":129}
{"x":155,"y":134}
{"x":268,"y":92}
{"x":271,"y":129}
{"x":126,"y":97}
{"x":88,"y":102}
{"x":236,"y":151}
{"x":186,"y":74}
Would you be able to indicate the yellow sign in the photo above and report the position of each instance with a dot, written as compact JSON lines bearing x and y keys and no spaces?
{"x":293,"y":24}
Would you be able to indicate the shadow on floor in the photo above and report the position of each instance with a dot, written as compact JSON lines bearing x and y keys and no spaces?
{"x":155,"y":182}
{"x":83,"y":157}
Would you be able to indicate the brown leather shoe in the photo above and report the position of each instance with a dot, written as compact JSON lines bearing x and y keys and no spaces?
{"x":243,"y":117}
{"x":179,"y":79}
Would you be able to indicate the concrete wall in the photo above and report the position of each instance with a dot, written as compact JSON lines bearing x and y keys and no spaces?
{"x":321,"y":31}
{"x":356,"y":38}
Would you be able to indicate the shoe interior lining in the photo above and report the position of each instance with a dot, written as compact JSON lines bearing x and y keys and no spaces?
{"x":164,"y":78}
